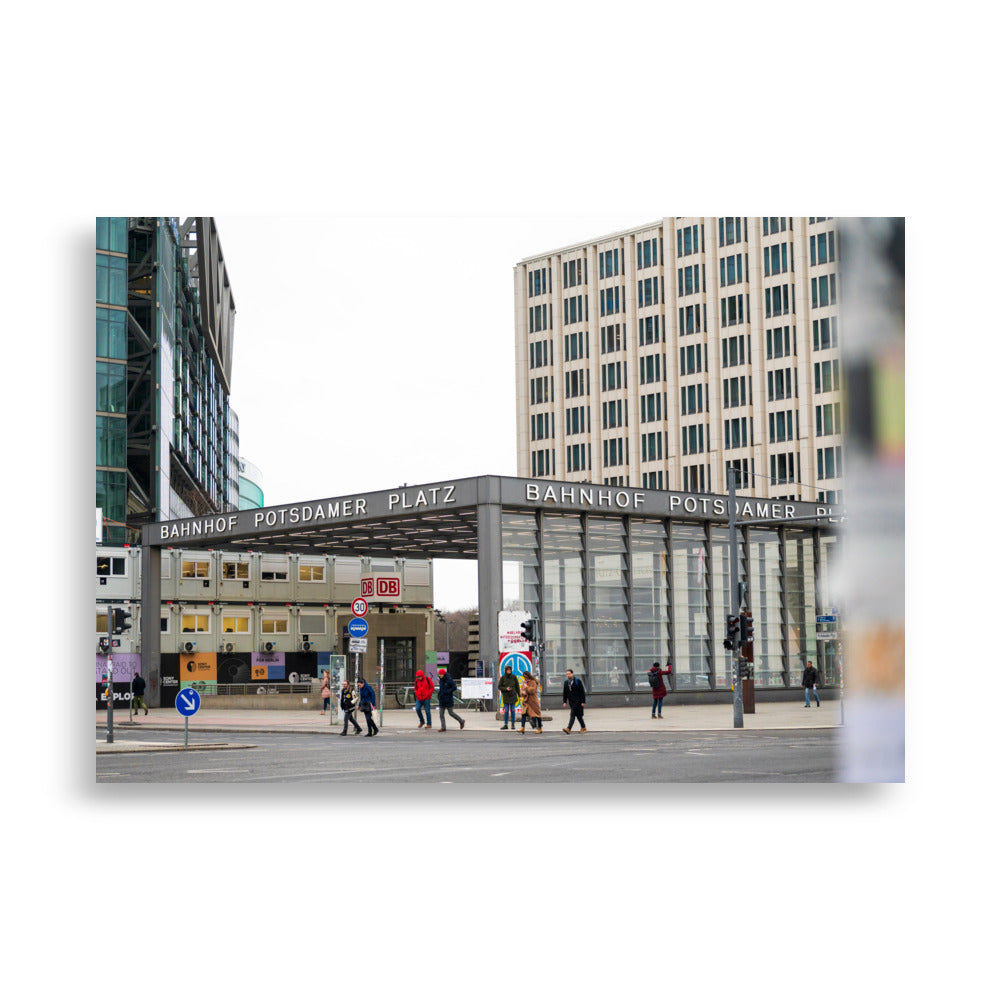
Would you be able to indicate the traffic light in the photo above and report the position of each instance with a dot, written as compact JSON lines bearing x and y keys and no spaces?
{"x":528,"y":631}
{"x":121,"y":620}
{"x":746,"y":635}
{"x":732,"y":629}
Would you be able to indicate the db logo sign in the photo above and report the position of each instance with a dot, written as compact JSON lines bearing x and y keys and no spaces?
{"x":381,"y":588}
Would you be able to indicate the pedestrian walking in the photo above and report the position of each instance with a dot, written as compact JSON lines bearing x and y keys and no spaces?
{"x":446,"y":699}
{"x":658,"y":687}
{"x":423,"y":688}
{"x":810,"y":681}
{"x":138,"y":690}
{"x":531,"y":708}
{"x":575,"y":696}
{"x":510,"y":693}
{"x":366,"y":697}
{"x":325,"y":692}
{"x":347,"y":704}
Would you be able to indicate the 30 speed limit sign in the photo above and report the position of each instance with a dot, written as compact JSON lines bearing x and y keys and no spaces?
{"x":360,"y":607}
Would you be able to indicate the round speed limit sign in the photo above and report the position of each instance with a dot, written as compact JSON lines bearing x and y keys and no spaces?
{"x":360,"y":607}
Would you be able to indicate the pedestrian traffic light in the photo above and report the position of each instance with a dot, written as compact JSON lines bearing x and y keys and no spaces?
{"x":732,"y":630}
{"x":121,"y":620}
{"x":528,"y":631}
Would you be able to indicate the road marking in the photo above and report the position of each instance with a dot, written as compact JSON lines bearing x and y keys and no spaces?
{"x":499,"y":774}
{"x":219,"y":770}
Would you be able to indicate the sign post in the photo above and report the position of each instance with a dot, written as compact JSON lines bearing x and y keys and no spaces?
{"x":187,"y":702}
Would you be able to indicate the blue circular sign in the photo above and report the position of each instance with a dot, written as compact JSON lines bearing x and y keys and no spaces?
{"x":188,"y":701}
{"x":357,"y":627}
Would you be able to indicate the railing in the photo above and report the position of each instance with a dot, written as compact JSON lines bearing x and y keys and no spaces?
{"x":260,"y":687}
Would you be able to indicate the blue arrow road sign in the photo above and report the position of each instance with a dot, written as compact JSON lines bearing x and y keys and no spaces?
{"x":357,"y":627}
{"x":188,"y":701}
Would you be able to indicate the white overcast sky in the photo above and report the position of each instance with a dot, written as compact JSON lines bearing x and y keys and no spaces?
{"x":373,"y":350}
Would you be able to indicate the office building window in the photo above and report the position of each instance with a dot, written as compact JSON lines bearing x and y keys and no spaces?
{"x":827,"y":419}
{"x":824,"y":333}
{"x":824,"y":290}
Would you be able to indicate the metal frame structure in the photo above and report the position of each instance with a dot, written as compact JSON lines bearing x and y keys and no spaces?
{"x":459,"y":519}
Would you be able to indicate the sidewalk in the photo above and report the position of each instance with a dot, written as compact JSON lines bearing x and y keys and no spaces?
{"x":679,"y":718}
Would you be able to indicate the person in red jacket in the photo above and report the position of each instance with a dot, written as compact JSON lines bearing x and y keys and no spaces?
{"x":658,"y":688}
{"x":423,"y":688}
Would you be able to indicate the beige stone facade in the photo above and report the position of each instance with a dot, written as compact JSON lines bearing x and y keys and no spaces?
{"x":658,"y":356}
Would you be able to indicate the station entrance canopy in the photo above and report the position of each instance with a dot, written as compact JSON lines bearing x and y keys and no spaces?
{"x":457,"y":519}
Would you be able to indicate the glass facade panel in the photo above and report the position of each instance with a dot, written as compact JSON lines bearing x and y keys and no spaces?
{"x":519,"y":543}
{"x":565,"y":648}
{"x":689,"y":557}
{"x":607,"y":611}
{"x":800,"y":600}
{"x":764,"y":578}
{"x":828,"y":662}
{"x":650,"y":599}
{"x":111,"y":341}
{"x":722,"y":603}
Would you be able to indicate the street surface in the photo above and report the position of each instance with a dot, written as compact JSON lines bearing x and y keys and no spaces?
{"x":792,"y":755}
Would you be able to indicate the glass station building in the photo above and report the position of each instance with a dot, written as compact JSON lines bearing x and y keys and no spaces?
{"x":617,"y":577}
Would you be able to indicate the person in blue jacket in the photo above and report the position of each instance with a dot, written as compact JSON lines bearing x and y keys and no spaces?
{"x":446,"y":699}
{"x":366,"y":697}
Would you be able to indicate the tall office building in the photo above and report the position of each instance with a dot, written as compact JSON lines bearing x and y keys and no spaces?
{"x":167,"y":441}
{"x":660,"y":356}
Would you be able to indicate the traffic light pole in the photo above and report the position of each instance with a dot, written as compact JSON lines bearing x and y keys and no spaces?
{"x":111,"y":680}
{"x":734,"y":578}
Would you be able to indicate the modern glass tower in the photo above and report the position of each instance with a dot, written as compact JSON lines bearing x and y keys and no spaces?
{"x":166,"y":437}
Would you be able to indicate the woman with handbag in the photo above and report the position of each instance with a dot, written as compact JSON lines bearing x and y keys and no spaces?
{"x":531,"y":707}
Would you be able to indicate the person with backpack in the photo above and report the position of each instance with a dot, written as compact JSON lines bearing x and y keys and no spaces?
{"x":510,"y":693}
{"x":658,"y":687}
{"x":366,"y":697}
{"x":347,"y":704}
{"x":576,"y":697}
{"x":810,"y":678}
{"x":423,"y":688}
{"x":446,"y":699}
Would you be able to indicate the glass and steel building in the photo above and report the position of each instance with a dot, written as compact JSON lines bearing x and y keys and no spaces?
{"x":167,"y":441}
{"x":661,"y":356}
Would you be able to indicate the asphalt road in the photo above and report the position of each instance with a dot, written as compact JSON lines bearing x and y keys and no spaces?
{"x":792,"y":755}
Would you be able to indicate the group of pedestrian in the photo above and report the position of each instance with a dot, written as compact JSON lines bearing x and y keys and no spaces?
{"x":365,"y":701}
{"x":423,"y":691}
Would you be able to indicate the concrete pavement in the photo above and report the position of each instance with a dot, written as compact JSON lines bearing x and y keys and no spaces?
{"x":676,"y":718}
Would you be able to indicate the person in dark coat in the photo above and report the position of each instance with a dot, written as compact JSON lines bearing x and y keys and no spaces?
{"x":575,"y":696}
{"x":366,"y":697}
{"x":658,"y":688}
{"x":138,"y":690}
{"x":446,"y":699}
{"x":347,"y":704}
{"x":510,"y":693}
{"x":810,"y":680}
